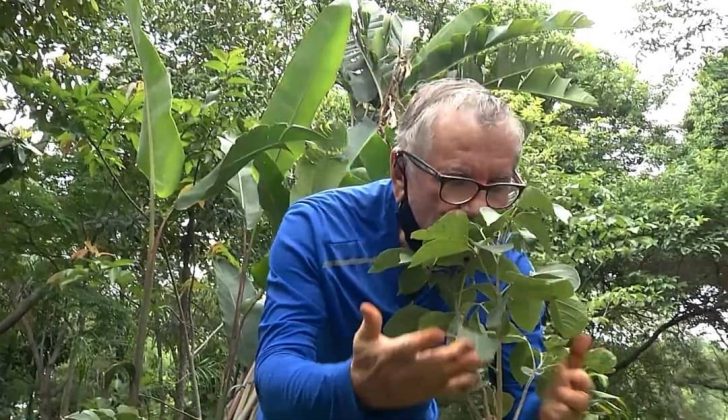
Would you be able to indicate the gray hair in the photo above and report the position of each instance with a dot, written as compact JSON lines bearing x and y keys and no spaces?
{"x":415,"y":127}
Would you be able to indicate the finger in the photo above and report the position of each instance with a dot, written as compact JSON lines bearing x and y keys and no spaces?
{"x":446,"y":353}
{"x":454,"y":358}
{"x":575,"y":400}
{"x":579,"y":347}
{"x":408,"y":345}
{"x":371,"y":323}
{"x":462,"y":383}
{"x":579,"y":380}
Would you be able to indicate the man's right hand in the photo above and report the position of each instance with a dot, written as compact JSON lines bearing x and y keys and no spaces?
{"x":389,"y":373}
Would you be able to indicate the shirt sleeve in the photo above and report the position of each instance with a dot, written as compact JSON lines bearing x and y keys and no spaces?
{"x":289,"y":382}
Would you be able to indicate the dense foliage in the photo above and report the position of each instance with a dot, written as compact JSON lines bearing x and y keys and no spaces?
{"x":648,"y":233}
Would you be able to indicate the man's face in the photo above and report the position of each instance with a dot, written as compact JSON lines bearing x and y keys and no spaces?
{"x":460,"y":146}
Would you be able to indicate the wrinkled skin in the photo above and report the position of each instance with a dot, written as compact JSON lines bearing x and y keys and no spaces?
{"x":412,"y":368}
{"x":462,"y":146}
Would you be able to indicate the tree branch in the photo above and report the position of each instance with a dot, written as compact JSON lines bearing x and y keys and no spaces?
{"x":116,"y":179}
{"x":675,"y":320}
{"x":23,"y":307}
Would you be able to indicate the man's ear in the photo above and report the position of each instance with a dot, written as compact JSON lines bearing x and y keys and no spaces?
{"x":396,"y":171}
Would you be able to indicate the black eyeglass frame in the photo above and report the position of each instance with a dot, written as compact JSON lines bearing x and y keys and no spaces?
{"x":443,"y":179}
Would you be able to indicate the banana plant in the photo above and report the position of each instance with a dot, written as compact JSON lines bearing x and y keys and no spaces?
{"x":160,"y":158}
{"x":382,"y":67}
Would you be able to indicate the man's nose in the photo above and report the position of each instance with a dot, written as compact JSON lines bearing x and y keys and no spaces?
{"x":472,"y":207}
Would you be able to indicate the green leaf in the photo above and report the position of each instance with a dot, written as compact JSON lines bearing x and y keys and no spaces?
{"x":238,"y":80}
{"x":516,"y":59}
{"x":523,"y":356}
{"x":357,"y":176}
{"x":600,"y":360}
{"x":452,"y":225}
{"x":460,"y":24}
{"x":496,"y":249}
{"x":259,"y":271}
{"x":324,"y":170}
{"x":535,"y":225}
{"x":272,"y":193}
{"x":246,"y":148}
{"x":312,"y":176}
{"x":442,"y":320}
{"x":496,"y":314}
{"x":375,"y":157}
{"x":569,"y":316}
{"x":248,"y":345}
{"x":160,"y":156}
{"x":533,"y":198}
{"x":105,"y":413}
{"x":490,"y":216}
{"x":412,"y":280}
{"x":508,"y":271}
{"x":357,"y":137}
{"x":523,"y":287}
{"x":487,"y":262}
{"x":310,"y":74}
{"x":227,"y":279}
{"x":216,"y":65}
{"x":438,"y":248}
{"x":245,"y":189}
{"x":481,"y":37}
{"x":546,"y":82}
{"x":562,"y":271}
{"x":526,"y":313}
{"x":485,"y":345}
{"x":125,"y":409}
{"x":404,"y":321}
{"x":84,"y":415}
{"x":554,"y":341}
{"x":487,"y":289}
{"x":390,"y":258}
{"x":508,"y":402}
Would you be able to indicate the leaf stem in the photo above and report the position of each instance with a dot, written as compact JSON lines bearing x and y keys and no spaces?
{"x":499,"y":355}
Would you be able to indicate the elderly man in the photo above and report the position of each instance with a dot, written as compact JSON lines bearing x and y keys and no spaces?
{"x":322,"y":354}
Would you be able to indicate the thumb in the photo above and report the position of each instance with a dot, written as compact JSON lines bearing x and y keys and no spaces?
{"x":579,"y":347}
{"x":371,"y":324}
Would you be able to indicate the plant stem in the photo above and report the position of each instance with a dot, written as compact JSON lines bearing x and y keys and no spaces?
{"x":499,"y":359}
{"x":237,"y":323}
{"x":522,"y":402}
{"x":209,"y":337}
{"x":149,"y":267}
{"x":528,"y":383}
{"x":471,"y":408}
{"x":186,"y":348}
{"x":170,"y":407}
{"x":486,"y":403}
{"x":499,"y":385}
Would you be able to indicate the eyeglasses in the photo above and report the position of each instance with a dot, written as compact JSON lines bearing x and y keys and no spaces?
{"x":458,"y":190}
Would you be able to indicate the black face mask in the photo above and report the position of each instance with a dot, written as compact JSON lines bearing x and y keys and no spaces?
{"x":407,"y":220}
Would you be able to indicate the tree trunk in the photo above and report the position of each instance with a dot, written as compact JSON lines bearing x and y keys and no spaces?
{"x":187,"y":249}
{"x":31,"y":403}
{"x":180,"y":385}
{"x":70,"y":385}
{"x":45,"y":405}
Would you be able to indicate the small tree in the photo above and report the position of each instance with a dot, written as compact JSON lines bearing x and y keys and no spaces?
{"x":501,"y":310}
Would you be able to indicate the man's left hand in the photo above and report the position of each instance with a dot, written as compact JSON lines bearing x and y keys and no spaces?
{"x":569,"y":394}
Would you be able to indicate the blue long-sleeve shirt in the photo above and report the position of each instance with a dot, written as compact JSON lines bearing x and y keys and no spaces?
{"x":319,"y":264}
